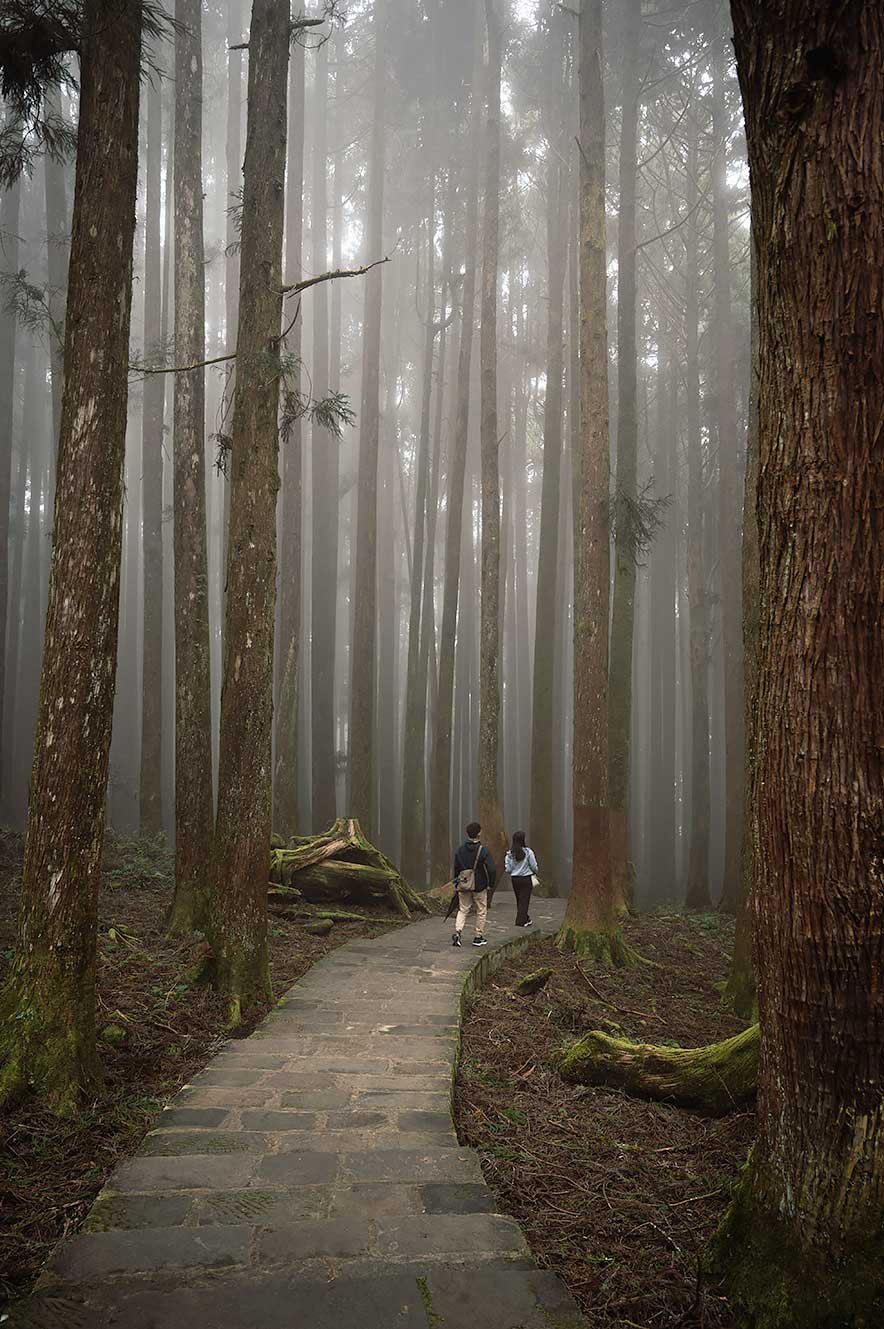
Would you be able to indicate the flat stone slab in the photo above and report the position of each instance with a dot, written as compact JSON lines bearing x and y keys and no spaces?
{"x":311,"y":1175}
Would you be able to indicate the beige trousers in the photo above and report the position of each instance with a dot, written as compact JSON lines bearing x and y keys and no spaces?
{"x":466,"y":900}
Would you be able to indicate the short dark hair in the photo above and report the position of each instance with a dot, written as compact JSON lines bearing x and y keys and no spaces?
{"x":473,"y":830}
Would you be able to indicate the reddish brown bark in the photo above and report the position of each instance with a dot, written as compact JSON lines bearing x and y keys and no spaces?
{"x":48,"y":1007}
{"x":801,"y":1245}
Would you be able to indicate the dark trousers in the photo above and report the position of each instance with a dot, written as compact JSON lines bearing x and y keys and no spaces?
{"x":522,"y":891}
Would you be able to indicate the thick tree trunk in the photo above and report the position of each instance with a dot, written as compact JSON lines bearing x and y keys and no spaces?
{"x":285,"y":776}
{"x":243,"y":824}
{"x":548,"y":616}
{"x":151,"y":781}
{"x":590,"y":925}
{"x":193,"y":685}
{"x":48,"y":1006}
{"x":801,"y":1244}
{"x":363,"y":665}
{"x":623,"y":609}
{"x":440,"y":801}
{"x":324,"y":454}
{"x":729,"y":501}
{"x":717,"y":1078}
{"x":490,"y":812}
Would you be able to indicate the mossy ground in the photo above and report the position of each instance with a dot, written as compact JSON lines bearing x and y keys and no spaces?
{"x":54,"y":1167}
{"x":618,"y":1195}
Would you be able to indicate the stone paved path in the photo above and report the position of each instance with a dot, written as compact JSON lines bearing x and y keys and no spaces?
{"x":310,"y":1177}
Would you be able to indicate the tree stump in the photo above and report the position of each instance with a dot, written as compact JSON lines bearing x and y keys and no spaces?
{"x":341,"y":867}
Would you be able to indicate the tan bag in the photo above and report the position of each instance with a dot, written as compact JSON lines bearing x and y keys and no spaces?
{"x":466,"y":880}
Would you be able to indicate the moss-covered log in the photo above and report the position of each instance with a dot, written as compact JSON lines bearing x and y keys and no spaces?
{"x":532,"y":983}
{"x":717,"y":1078}
{"x":341,"y":866}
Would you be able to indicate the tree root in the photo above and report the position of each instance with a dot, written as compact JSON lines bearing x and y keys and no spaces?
{"x":717,"y":1078}
{"x":605,"y":948}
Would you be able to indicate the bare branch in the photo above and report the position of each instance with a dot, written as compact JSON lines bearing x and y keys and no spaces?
{"x":297,"y":287}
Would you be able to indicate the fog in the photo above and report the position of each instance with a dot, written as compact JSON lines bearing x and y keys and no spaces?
{"x":679,"y":374}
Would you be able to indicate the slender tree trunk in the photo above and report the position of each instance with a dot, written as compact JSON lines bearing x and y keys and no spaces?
{"x":325,"y":479}
{"x":151,"y":783}
{"x":490,"y":812}
{"x":244,"y":818}
{"x":285,"y":786}
{"x":590,"y":925}
{"x":232,"y":237}
{"x":801,"y":1243}
{"x":623,"y":613}
{"x":440,"y":834}
{"x":48,"y":1016}
{"x":697,"y":895}
{"x":58,"y":254}
{"x":363,"y":664}
{"x":413,"y":852}
{"x":193,"y":685}
{"x":729,"y":501}
{"x":548,"y":613}
{"x":10,"y":211}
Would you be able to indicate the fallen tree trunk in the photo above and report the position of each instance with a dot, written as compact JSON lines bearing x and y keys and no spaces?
{"x":340,"y":866}
{"x":717,"y":1078}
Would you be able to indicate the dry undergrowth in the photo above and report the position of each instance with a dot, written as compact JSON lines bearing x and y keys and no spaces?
{"x":617,"y":1195}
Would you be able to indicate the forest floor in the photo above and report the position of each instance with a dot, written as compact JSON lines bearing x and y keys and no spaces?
{"x":53,"y":1169}
{"x":617,"y":1195}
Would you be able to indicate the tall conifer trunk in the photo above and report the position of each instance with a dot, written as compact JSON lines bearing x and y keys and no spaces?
{"x":243,"y":824}
{"x":490,"y":812}
{"x":193,"y":686}
{"x":10,"y":210}
{"x":47,"y":1010}
{"x":590,"y":925}
{"x":801,"y":1245}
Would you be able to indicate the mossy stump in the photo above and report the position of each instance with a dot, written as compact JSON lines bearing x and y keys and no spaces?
{"x":532,"y":983}
{"x":716,"y":1078}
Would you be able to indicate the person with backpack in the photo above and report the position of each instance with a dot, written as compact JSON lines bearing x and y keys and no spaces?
{"x":474,"y":876}
{"x":522,"y":868}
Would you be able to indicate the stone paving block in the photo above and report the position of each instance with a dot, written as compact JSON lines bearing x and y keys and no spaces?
{"x":298,"y":1168}
{"x":213,"y":1075}
{"x":173,"y":1143}
{"x":358,"y":1119}
{"x":192,"y":1116}
{"x":100,"y":1254}
{"x":265,"y":1208}
{"x":495,"y":1299}
{"x":412,"y":1165}
{"x":304,"y":1241}
{"x":301,"y":1080}
{"x":248,"y":1058}
{"x":403,"y":1098}
{"x":278,"y":1121}
{"x":374,"y":1199}
{"x":456,"y":1198}
{"x":450,"y":1234}
{"x":425,"y":1121}
{"x":135,"y":1211}
{"x":319,"y":1100}
{"x":393,"y":1084}
{"x":211,"y":1095}
{"x":194,"y":1172}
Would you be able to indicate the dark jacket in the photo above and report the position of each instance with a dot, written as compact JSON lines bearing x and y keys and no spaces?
{"x":486,"y":872}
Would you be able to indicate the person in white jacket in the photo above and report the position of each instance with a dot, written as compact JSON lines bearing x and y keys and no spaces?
{"x":522,"y":868}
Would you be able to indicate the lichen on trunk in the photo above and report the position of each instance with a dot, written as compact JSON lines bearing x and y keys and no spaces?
{"x":717,"y":1078}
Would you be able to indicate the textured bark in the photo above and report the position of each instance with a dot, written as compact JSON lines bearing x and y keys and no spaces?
{"x":193,"y":685}
{"x":363,"y":665}
{"x":10,"y":209}
{"x":48,"y":1005}
{"x":590,"y":922}
{"x":234,"y":183}
{"x":324,"y":459}
{"x":440,"y":800}
{"x":801,"y":1244}
{"x":623,"y":609}
{"x":548,"y":609}
{"x":285,"y":775}
{"x":243,"y":824}
{"x":729,"y":500}
{"x":57,"y":256}
{"x":697,"y":894}
{"x":151,"y":781}
{"x":490,"y":812}
{"x":717,"y":1078}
